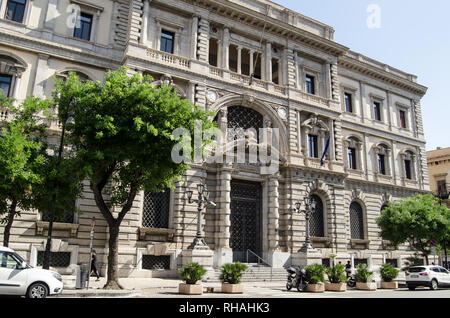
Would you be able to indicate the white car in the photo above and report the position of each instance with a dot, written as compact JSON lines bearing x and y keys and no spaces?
{"x":427,"y":276}
{"x":20,"y":279}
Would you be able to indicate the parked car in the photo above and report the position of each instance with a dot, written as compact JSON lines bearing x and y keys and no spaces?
{"x":20,"y":279}
{"x":427,"y":276}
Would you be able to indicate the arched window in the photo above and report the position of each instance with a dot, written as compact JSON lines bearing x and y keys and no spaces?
{"x":356,"y":221}
{"x":240,"y":119}
{"x":316,"y":225}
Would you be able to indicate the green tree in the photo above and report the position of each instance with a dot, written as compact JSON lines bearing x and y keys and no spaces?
{"x":415,"y":220}
{"x":123,"y":141}
{"x":29,"y":175}
{"x":21,"y":153}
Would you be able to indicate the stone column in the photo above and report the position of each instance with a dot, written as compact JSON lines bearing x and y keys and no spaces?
{"x":328,"y":83}
{"x":338,"y":137}
{"x":145,"y":16}
{"x":251,"y":62}
{"x":389,"y":106}
{"x":15,"y":93}
{"x":335,"y":90}
{"x":223,"y":252}
{"x":268,"y":62}
{"x":291,"y":69}
{"x":203,"y":41}
{"x":157,"y":40}
{"x":194,"y":37}
{"x":239,"y":60}
{"x":136,"y":20}
{"x":226,"y":49}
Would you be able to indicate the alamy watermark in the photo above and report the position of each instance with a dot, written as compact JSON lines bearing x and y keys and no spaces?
{"x":240,"y":146}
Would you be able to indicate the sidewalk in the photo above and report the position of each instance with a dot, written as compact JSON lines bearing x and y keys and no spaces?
{"x":138,"y":286}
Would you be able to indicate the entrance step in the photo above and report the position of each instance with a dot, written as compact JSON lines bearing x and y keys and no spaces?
{"x":253,"y":274}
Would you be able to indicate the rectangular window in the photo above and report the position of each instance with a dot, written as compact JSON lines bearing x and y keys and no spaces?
{"x":381,"y":164}
{"x":167,"y":41}
{"x":156,"y":209}
{"x":275,"y":66}
{"x":348,"y":102}
{"x":213,"y":50}
{"x":310,"y":85}
{"x":15,"y":10}
{"x":66,"y":217}
{"x":392,"y":261}
{"x":313,"y":149}
{"x":358,"y":261}
{"x":408,"y":174}
{"x":84,"y":26}
{"x":402,"y":114}
{"x":152,"y":262}
{"x":5,"y":84}
{"x":57,"y":259}
{"x":377,"y":111}
{"x":352,"y":158}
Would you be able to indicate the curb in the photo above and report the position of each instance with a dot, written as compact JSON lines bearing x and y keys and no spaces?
{"x":97,"y":293}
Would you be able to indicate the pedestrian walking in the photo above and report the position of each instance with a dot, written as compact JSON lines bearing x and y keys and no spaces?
{"x":94,"y":265}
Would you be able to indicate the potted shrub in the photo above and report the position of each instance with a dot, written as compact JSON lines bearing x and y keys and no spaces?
{"x":191,"y":274}
{"x":230,"y":276}
{"x":363,"y":278}
{"x":336,"y":278}
{"x":388,"y":274}
{"x":315,"y":277}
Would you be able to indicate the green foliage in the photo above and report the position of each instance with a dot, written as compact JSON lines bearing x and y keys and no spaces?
{"x":388,"y":273}
{"x":415,"y":220}
{"x":363,"y":275}
{"x":336,"y":274}
{"x":315,"y":274}
{"x":123,"y":139}
{"x":191,"y":273}
{"x":412,"y":261}
{"x":232,"y":273}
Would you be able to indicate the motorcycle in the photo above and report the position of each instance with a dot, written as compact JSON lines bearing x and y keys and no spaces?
{"x":351,"y":282}
{"x":296,"y":278}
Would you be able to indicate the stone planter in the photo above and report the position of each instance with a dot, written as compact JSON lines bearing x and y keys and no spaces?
{"x":336,"y":287}
{"x":389,"y":285}
{"x":232,"y":288}
{"x":187,"y":289}
{"x":315,"y":288}
{"x":366,"y":286}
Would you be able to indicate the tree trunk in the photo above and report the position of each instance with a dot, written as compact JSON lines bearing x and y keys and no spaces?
{"x":12,"y":214}
{"x":113,"y":258}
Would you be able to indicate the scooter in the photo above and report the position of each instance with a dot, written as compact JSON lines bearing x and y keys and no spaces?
{"x":296,"y":278}
{"x":351,"y":282}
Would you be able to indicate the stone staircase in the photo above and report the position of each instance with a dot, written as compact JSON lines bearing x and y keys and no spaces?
{"x":254,"y":273}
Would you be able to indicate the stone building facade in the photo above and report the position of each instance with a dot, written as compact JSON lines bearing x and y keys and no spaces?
{"x":316,"y":92}
{"x":439,"y":171}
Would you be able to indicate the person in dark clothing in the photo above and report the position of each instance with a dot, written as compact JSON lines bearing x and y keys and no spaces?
{"x":94,"y":265}
{"x":348,"y":269}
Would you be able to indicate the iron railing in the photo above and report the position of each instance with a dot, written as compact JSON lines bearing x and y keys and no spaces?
{"x":262,"y":262}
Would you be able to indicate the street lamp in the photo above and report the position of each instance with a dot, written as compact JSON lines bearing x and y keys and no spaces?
{"x":310,"y":208}
{"x":67,"y":119}
{"x":203,"y":199}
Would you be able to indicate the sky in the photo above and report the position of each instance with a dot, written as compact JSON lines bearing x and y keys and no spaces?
{"x":411,"y":35}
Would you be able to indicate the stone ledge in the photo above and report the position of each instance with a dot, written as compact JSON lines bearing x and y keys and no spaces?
{"x":42,"y":225}
{"x":143,"y":231}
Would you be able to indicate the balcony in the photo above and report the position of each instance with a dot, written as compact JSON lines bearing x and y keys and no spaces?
{"x":167,"y":58}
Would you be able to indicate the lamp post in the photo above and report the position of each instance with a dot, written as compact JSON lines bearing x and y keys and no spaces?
{"x":442,"y":197}
{"x":203,"y":199}
{"x":66,"y":119}
{"x":310,"y":208}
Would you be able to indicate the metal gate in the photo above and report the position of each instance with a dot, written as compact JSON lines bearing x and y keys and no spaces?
{"x":356,"y":221}
{"x":246,"y":225}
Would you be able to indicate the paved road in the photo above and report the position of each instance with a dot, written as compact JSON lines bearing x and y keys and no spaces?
{"x":273,"y":290}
